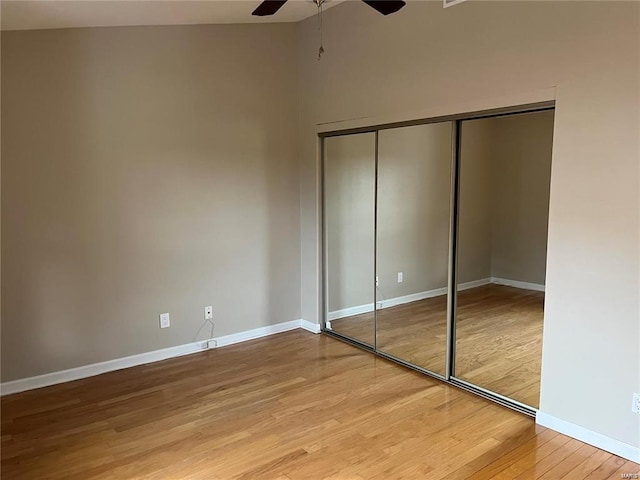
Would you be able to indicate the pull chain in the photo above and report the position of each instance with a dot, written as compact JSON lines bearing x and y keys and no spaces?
{"x":321,"y":49}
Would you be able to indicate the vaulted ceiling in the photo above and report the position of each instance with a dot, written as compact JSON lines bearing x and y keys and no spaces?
{"x":31,"y":15}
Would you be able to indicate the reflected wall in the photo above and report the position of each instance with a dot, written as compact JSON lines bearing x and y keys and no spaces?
{"x":349,"y":199}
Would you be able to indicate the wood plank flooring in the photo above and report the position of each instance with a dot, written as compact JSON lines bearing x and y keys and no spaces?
{"x":498,"y":337}
{"x":290,"y":406}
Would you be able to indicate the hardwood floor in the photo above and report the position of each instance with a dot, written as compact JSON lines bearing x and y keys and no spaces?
{"x":498,"y":337}
{"x":290,"y":406}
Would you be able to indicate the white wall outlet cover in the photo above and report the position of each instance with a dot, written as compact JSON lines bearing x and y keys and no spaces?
{"x":208,"y":312}
{"x":165,"y":321}
{"x":400,"y":277}
{"x":635,"y":403}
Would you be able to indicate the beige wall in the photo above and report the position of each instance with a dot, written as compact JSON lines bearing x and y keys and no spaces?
{"x":145,"y":170}
{"x":426,"y":58}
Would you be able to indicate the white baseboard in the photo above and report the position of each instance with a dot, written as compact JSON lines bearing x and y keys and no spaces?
{"x":517,"y":284}
{"x":256,"y":333}
{"x":310,"y":326}
{"x":85,"y":371}
{"x":585,"y":435}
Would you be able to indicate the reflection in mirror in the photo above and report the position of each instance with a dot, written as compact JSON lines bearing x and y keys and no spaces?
{"x":505,"y":168}
{"x":414,"y":185}
{"x":349,"y":199}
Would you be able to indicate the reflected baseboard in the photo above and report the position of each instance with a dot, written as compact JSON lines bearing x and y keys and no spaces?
{"x":436,"y":292}
{"x":350,"y":312}
{"x":517,"y":284}
{"x":414,"y":297}
{"x":392,"y":302}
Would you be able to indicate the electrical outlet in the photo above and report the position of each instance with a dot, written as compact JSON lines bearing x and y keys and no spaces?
{"x":212,"y":343}
{"x":635,"y":403}
{"x":208,"y":312}
{"x":165,"y":321}
{"x":400,"y":277}
{"x":377,"y":282}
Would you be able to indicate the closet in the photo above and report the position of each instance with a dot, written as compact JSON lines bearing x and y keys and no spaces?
{"x":434,"y":246}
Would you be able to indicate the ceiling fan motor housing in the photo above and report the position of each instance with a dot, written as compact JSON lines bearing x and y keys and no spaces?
{"x":385,"y":7}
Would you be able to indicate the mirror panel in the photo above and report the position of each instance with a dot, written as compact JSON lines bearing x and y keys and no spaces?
{"x":349,"y":206}
{"x":504,"y":176}
{"x":412,"y":265}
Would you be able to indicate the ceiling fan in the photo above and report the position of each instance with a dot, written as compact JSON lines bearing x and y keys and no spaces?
{"x":385,"y":7}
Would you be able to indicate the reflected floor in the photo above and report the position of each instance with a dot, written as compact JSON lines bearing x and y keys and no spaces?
{"x":499,"y":337}
{"x":416,"y":332}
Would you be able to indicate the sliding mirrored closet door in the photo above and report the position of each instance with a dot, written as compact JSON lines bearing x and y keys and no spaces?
{"x":504,"y":177}
{"x":412,"y":248}
{"x":435,"y":247}
{"x":349,"y":223}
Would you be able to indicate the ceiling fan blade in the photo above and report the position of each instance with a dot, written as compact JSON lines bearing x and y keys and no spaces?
{"x":268,"y":7}
{"x":385,"y":7}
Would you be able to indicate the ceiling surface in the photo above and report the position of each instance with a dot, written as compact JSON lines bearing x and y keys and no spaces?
{"x":39,"y":14}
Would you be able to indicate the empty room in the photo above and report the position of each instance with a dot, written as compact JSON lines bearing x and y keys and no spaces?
{"x":309,"y":239}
